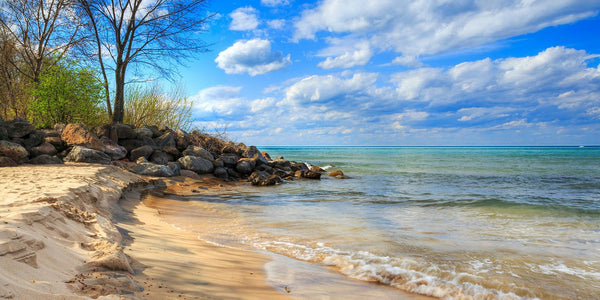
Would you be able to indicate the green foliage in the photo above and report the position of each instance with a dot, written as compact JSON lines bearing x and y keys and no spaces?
{"x":67,"y":93}
{"x":150,"y":106}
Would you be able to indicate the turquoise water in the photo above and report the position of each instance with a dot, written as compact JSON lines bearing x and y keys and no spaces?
{"x":450,"y":222}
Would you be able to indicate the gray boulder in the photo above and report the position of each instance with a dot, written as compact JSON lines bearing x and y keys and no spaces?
{"x":144,"y":151}
{"x":230,"y":160}
{"x":13,"y":151}
{"x":150,"y":169}
{"x":87,"y":155}
{"x":183,"y":139}
{"x":124,"y":131}
{"x":220,"y":173}
{"x":18,"y":128}
{"x":143,"y":132}
{"x":251,"y":152}
{"x":56,"y":141}
{"x":196,"y":164}
{"x":159,"y":157}
{"x":35,"y":138}
{"x":198,"y":152}
{"x":113,"y":150}
{"x":45,"y":148}
{"x":166,"y":140}
{"x":45,"y":159}
{"x":245,"y":165}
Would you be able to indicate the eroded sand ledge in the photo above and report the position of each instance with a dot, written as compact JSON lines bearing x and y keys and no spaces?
{"x":58,"y":238}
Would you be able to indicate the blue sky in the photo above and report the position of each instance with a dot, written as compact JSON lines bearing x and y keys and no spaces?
{"x":393,"y":72}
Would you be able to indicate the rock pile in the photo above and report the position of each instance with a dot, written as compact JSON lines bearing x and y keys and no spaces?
{"x":145,"y":151}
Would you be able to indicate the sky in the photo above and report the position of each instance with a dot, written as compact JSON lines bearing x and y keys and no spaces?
{"x":399,"y":73}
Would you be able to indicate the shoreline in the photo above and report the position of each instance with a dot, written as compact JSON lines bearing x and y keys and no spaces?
{"x":77,"y":231}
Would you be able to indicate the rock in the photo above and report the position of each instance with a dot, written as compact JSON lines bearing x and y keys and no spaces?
{"x":83,"y":154}
{"x":113,"y":150}
{"x":59,"y":128}
{"x":143,"y":132}
{"x":220,"y":173}
{"x":230,"y":160}
{"x":50,"y":132}
{"x":218,"y":163}
{"x":45,"y":159}
{"x":198,"y":152}
{"x":18,"y":128}
{"x":166,"y":140}
{"x":130,"y":144}
{"x":265,"y":168}
{"x":35,"y":138}
{"x":299,"y":174}
{"x":3,"y":133}
{"x":143,"y":151}
{"x":175,"y":167}
{"x":7,"y":162}
{"x":300,"y":167}
{"x":159,"y":157}
{"x":312,"y":175}
{"x":251,"y":152}
{"x":172,"y":151}
{"x":229,"y":148}
{"x":155,"y":132}
{"x":56,"y":141}
{"x":266,"y":156}
{"x":245,"y":165}
{"x":232,"y":173}
{"x":317,"y":169}
{"x":13,"y":151}
{"x":341,"y":177}
{"x":78,"y":135}
{"x":190,"y":174}
{"x":150,"y":169}
{"x":183,"y":139}
{"x":259,"y":178}
{"x":196,"y":164}
{"x":45,"y":148}
{"x":336,"y":173}
{"x":124,"y":131}
{"x":281,"y":163}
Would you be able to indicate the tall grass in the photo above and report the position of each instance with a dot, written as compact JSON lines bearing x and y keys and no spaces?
{"x":151,"y":106}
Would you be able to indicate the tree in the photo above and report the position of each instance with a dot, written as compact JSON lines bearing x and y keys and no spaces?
{"x":39,"y":29}
{"x":142,"y":33}
{"x":67,"y":93}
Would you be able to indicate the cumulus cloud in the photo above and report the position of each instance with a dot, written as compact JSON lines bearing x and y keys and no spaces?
{"x":276,"y":24}
{"x":537,"y":96}
{"x":420,"y":27}
{"x":253,"y":57}
{"x":244,"y":18}
{"x":359,"y":55}
{"x":273,"y":3}
{"x":407,"y":61}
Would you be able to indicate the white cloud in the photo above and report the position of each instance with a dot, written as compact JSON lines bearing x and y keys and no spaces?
{"x":253,"y":57}
{"x":219,"y":100}
{"x":276,"y":24}
{"x":330,"y":87}
{"x":273,"y":3}
{"x":244,"y":18}
{"x":358,"y":56}
{"x":407,"y":61}
{"x":420,"y":27}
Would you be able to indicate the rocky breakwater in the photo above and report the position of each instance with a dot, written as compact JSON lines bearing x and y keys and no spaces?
{"x":146,"y":151}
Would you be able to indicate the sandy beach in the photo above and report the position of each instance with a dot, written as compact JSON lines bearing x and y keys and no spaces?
{"x":59,"y":238}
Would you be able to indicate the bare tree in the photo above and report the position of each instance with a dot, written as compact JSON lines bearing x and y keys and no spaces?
{"x":146,"y":34}
{"x":38,"y":30}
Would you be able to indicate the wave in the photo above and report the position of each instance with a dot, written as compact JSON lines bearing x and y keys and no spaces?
{"x":407,"y":274}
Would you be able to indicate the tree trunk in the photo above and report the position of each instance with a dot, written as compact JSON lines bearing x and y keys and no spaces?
{"x":118,"y":112}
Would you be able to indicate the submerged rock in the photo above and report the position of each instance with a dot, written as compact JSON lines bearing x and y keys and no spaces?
{"x":259,"y":178}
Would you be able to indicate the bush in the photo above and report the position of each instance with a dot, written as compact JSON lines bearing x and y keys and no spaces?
{"x":150,"y":106}
{"x":67,"y":93}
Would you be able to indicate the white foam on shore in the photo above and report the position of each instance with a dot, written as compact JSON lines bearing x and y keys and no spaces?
{"x":406,"y":274}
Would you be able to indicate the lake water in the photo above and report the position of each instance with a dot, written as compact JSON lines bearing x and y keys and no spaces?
{"x":450,"y":222}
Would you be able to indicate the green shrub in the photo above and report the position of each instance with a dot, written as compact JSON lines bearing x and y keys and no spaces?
{"x":150,"y":106}
{"x":67,"y":93}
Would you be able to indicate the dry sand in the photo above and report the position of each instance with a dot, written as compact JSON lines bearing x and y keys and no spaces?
{"x":62,"y":232}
